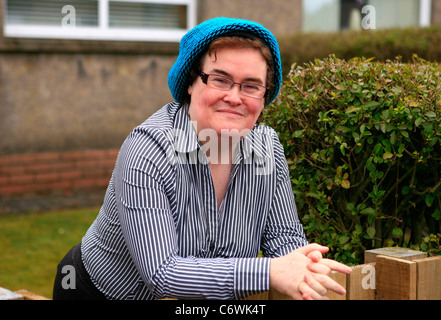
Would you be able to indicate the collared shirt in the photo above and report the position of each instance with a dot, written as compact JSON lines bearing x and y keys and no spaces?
{"x":160,"y":233}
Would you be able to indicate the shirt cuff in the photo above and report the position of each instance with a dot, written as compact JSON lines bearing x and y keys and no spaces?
{"x":251,"y":276}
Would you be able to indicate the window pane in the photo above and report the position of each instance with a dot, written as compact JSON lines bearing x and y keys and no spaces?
{"x":321,"y":15}
{"x":396,"y":13}
{"x":49,"y":12}
{"x":147,"y":15}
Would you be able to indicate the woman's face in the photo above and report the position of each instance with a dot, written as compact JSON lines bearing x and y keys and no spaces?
{"x":230,"y":110}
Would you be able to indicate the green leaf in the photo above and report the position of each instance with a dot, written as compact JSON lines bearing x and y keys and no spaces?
{"x":378,"y":149}
{"x":352,"y":109}
{"x":371,"y":232}
{"x":431,"y":114}
{"x":428,"y":198}
{"x":436,"y":214}
{"x":345,"y":184}
{"x":393,"y":137}
{"x":350,"y":206}
{"x":367,"y":211}
{"x":418,"y":122}
{"x":387,"y":155}
{"x":372,"y":104}
{"x":405,"y":190}
{"x":397,"y":232}
{"x":343,"y":239}
{"x":370,"y":164}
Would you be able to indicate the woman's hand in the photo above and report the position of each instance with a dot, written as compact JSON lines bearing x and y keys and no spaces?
{"x":304,"y":274}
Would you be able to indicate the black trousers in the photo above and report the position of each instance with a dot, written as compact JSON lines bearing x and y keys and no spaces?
{"x":72,"y":281}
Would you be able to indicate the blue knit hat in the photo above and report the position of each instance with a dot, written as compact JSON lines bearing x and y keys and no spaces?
{"x":194,"y":42}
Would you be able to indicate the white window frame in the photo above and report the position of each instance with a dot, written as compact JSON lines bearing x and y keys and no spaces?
{"x":102,"y":31}
{"x":425,"y":13}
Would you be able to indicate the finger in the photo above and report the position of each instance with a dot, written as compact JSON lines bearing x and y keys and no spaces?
{"x":312,"y":247}
{"x":309,"y":293}
{"x":329,"y":283}
{"x":320,"y":268}
{"x":315,"y":256}
{"x":336,"y":266}
{"x":315,"y":285}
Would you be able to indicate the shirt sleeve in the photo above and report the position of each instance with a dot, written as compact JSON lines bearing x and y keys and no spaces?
{"x":150,"y":234}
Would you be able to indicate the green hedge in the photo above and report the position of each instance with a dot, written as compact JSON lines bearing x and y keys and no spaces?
{"x":381,"y":44}
{"x":362,"y":139}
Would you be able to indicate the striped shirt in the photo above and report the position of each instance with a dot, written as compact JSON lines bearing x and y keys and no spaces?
{"x":160,"y":233}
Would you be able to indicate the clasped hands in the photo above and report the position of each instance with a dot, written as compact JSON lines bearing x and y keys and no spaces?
{"x":305,"y":274}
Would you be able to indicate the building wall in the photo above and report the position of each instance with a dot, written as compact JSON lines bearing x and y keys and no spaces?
{"x":59,"y":95}
{"x":66,"y":106}
{"x":436,"y":11}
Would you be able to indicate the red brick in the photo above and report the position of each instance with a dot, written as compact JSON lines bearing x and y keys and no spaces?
{"x":88,"y":164}
{"x":36,"y":168}
{"x":113,"y":153}
{"x":8,"y":190}
{"x":108,"y":163}
{"x":23,"y":159}
{"x":60,"y":185}
{"x":47,"y":177}
{"x":90,"y":183}
{"x":72,"y":155}
{"x":47,"y":157}
{"x":95,"y":154}
{"x":21,"y":179}
{"x":4,"y":180}
{"x":70,"y":175}
{"x":12,"y":170}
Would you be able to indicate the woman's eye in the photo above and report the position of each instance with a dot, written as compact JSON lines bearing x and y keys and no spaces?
{"x":250,"y":87}
{"x":220,"y":80}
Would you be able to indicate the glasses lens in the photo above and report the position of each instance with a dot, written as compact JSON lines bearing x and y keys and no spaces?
{"x":224,"y":83}
{"x":219,"y":82}
{"x":253,"y":90}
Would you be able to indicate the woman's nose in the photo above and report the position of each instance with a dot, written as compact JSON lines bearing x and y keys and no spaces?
{"x":234,"y":96}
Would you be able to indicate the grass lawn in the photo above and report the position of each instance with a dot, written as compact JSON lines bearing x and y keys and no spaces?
{"x":31,"y":246}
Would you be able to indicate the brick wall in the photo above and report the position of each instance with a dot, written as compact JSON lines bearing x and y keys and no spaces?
{"x":56,"y":172}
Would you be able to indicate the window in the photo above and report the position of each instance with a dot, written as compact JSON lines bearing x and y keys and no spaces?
{"x":336,"y":15}
{"x":122,"y":20}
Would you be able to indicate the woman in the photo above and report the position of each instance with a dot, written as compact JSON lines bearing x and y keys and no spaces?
{"x":199,"y":188}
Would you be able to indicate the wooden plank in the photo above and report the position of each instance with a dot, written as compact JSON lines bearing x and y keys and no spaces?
{"x":276,"y":295}
{"x":395,"y":279}
{"x":396,"y":252}
{"x":259,"y":296}
{"x":361,"y":282}
{"x":341,"y":279}
{"x":428,"y":286}
{"x":30,"y":295}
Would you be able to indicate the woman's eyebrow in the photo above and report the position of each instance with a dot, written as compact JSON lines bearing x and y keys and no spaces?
{"x":226,"y":74}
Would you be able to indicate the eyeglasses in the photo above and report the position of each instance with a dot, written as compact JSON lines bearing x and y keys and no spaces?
{"x":248,"y":89}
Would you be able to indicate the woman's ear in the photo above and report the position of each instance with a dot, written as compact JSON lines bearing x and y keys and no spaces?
{"x":190,"y":90}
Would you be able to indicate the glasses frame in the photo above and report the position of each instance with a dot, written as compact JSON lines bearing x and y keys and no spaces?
{"x":204,"y":77}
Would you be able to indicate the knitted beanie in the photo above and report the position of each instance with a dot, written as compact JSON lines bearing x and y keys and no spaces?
{"x":194,"y":42}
